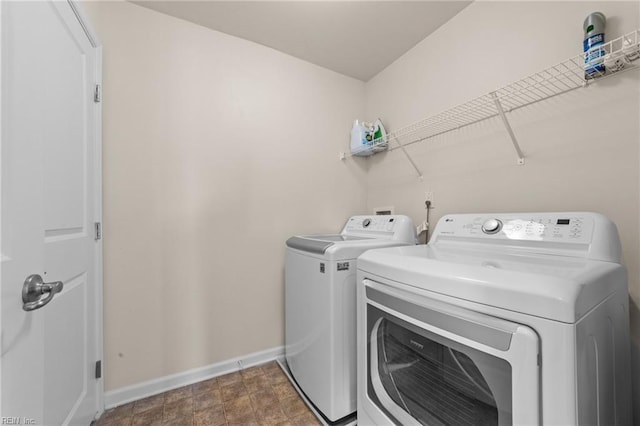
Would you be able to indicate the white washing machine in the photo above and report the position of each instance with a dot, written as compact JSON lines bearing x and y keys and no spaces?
{"x":320,"y":307}
{"x":502,"y":319}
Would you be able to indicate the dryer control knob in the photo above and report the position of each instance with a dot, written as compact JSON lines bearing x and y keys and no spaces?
{"x":491,"y":226}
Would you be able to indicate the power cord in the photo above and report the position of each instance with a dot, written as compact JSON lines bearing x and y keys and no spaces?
{"x":428,"y":207}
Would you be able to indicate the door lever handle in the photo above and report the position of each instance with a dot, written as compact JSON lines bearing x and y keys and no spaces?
{"x":36,"y":293}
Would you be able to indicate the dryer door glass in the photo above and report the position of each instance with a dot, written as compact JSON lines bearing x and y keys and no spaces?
{"x":416,"y":376}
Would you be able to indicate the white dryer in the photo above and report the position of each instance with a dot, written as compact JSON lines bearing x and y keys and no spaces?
{"x":320,"y":307}
{"x":502,"y":319}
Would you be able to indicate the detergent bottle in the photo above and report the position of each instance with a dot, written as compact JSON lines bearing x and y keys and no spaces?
{"x":360,"y":145}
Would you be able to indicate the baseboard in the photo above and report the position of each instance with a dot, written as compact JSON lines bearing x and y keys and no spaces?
{"x":130,"y":393}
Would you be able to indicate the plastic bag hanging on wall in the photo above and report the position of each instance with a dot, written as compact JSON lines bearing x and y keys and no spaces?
{"x":368,"y":138}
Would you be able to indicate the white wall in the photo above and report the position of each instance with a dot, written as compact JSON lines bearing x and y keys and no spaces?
{"x":216,"y":150}
{"x":581,"y":148}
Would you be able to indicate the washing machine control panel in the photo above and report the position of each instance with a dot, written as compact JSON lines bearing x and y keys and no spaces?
{"x":395,"y":227}
{"x":371,"y":224}
{"x":570,"y":228}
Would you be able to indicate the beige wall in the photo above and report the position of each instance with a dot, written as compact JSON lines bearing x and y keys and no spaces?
{"x":581,"y":148}
{"x":215,"y":151}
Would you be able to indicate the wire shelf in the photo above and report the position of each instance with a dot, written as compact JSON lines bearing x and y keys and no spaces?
{"x":620,"y":54}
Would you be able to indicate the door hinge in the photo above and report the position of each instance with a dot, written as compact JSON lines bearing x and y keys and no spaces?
{"x":98,"y":231}
{"x":98,"y":369}
{"x":97,"y":94}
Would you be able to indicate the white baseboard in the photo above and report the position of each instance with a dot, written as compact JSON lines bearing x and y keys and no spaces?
{"x":130,"y":393}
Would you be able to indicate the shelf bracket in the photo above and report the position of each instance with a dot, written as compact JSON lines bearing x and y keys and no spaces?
{"x":514,"y":141}
{"x":409,"y":158}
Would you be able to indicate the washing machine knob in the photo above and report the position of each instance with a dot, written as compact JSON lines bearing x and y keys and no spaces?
{"x":491,"y":226}
{"x":366,"y":222}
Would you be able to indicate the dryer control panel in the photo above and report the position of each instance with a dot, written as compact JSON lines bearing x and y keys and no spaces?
{"x":585,"y":234}
{"x":576,"y":229}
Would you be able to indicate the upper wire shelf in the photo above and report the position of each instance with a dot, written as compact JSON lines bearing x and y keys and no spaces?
{"x":621,"y":55}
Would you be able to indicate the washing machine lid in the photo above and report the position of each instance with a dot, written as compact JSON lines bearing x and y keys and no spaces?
{"x":359,"y":234}
{"x":348,"y":248}
{"x":551,"y":265}
{"x":320,"y":243}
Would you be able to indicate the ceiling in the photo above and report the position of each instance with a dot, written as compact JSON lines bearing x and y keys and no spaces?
{"x":355,"y":38}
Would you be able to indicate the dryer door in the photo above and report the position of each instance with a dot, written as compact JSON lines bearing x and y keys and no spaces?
{"x":434,"y":363}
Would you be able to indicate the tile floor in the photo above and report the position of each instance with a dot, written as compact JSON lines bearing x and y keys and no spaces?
{"x":259,"y":395}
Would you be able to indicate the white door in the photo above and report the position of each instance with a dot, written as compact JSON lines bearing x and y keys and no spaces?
{"x":50,"y":194}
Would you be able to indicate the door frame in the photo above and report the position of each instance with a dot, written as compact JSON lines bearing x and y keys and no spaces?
{"x":98,"y":258}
